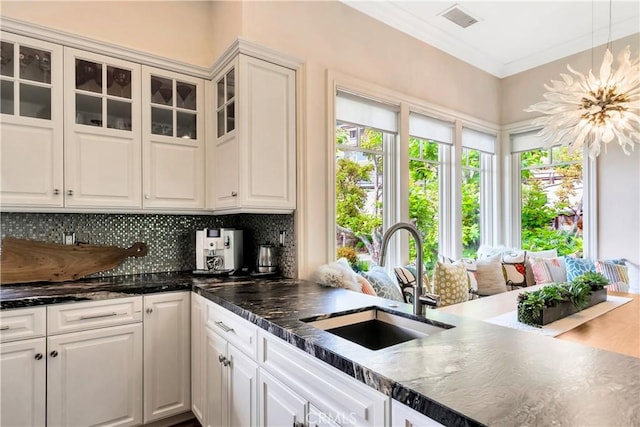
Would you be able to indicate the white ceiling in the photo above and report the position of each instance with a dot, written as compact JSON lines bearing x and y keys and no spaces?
{"x":511,"y":36}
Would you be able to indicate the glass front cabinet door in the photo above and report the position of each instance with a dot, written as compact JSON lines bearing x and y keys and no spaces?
{"x":173,"y":140}
{"x":103,"y":131}
{"x":31,"y":123}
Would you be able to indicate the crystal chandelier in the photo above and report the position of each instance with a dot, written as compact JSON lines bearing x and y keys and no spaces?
{"x":593,"y":110}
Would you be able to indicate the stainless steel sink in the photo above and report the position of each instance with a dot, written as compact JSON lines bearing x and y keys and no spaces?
{"x":376,"y":329}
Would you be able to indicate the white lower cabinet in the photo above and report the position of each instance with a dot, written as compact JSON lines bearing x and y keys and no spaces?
{"x":23,"y":385}
{"x":166,"y":355}
{"x":94,"y":377}
{"x":402,"y":415}
{"x":198,"y":341}
{"x":231,"y":384}
{"x":337,"y":398}
{"x":279,"y":405}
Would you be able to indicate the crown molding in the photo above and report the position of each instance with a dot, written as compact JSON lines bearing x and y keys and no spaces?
{"x":249,"y":48}
{"x":63,"y":38}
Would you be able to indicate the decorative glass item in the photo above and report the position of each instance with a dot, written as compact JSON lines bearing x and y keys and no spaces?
{"x":88,"y":76}
{"x":593,"y":110}
{"x":186,"y":95}
{"x":118,"y":115}
{"x":35,"y":101}
{"x":186,"y":126}
{"x":6,"y":97}
{"x":119,"y":82}
{"x":161,"y":121}
{"x":6,"y":59}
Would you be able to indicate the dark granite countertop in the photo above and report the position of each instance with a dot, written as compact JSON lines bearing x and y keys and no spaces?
{"x":473,"y":374}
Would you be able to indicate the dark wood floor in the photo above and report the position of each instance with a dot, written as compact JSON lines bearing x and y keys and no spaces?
{"x":191,"y":423}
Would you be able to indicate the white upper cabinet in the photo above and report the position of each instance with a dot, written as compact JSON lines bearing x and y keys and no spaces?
{"x":102,"y":140}
{"x":173,"y":140}
{"x":31,"y":122}
{"x":253,"y":156}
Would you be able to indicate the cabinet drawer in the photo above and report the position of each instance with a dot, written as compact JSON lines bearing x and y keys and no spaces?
{"x":334,"y":393}
{"x":236,"y":330}
{"x":95,"y":314}
{"x":22,"y":323}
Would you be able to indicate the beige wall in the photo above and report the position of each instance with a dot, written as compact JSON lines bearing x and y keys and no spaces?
{"x":332,"y":36}
{"x":618,"y":175}
{"x":180,"y":30}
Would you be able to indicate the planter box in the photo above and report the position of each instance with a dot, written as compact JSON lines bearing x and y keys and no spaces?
{"x":551,"y":314}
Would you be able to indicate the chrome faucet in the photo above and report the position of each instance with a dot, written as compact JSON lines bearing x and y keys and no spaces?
{"x":417,"y":236}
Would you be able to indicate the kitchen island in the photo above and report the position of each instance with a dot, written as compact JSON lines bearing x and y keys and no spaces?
{"x":474,"y":373}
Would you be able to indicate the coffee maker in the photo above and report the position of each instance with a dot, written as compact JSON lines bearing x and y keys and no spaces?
{"x":218,"y":250}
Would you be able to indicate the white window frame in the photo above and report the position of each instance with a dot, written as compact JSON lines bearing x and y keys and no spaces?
{"x":451,"y":221}
{"x":513,"y":189}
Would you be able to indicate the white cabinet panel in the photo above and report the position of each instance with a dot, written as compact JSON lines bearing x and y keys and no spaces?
{"x":216,"y":380}
{"x":102,"y":170}
{"x":23,"y":387}
{"x":242,"y":389}
{"x":279,"y":405}
{"x":31,"y":123}
{"x":173,"y":140}
{"x":95,"y":377}
{"x":198,"y":342}
{"x":255,"y":158}
{"x":102,"y":140}
{"x":166,"y":355}
{"x":22,"y":323}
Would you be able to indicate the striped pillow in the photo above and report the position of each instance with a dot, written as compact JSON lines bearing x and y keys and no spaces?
{"x":612,"y":271}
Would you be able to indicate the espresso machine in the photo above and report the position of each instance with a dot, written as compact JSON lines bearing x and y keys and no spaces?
{"x":218,"y":250}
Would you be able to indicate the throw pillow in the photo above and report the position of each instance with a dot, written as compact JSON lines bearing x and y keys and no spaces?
{"x":384,"y":285}
{"x":550,"y":253}
{"x":406,"y":277}
{"x":472,"y":271}
{"x":513,"y":268}
{"x":634,"y":276}
{"x":577,"y":267}
{"x":617,"y":287}
{"x":338,"y":275}
{"x":490,"y":276}
{"x":613,"y":271}
{"x":366,"y":287}
{"x":541,"y":272}
{"x":451,"y":283}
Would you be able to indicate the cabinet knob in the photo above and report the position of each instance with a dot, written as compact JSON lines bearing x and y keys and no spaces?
{"x":226,"y":362}
{"x":149,"y":310}
{"x":38,"y":356}
{"x":298,"y":424}
{"x":221,"y":358}
{"x":70,"y":193}
{"x":234,"y":194}
{"x":56,"y":191}
{"x":147,"y":196}
{"x":54,"y":353}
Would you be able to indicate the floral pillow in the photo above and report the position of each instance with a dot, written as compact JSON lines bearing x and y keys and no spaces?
{"x":513,"y":268}
{"x":384,"y":285}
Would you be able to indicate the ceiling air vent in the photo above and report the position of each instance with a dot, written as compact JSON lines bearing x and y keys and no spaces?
{"x":458,"y":16}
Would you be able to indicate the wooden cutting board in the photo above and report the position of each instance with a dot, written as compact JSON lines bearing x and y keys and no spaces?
{"x":26,"y":261}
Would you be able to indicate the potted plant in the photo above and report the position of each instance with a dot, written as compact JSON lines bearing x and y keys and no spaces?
{"x":553,"y":302}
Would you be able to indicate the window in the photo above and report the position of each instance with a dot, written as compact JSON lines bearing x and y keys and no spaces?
{"x":429,"y":196}
{"x":477,"y":163}
{"x":364,"y":176}
{"x":551,"y":194}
